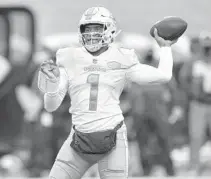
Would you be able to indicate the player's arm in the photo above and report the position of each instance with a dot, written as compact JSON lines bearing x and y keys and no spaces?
{"x":52,"y":100}
{"x":141,"y":73}
{"x":53,"y":81}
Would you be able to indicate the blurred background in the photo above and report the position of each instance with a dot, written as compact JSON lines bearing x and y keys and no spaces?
{"x":169,"y":125}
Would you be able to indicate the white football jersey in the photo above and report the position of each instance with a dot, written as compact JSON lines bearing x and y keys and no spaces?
{"x":95,"y":83}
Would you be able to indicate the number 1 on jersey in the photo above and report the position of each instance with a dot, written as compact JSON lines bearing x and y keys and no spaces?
{"x":93,"y":80}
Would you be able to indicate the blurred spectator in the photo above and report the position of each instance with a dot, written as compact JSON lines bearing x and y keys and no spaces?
{"x":195,"y":78}
{"x":5,"y":68}
{"x":150,"y":111}
{"x":10,"y":110}
{"x":195,"y":46}
{"x":134,"y":163}
{"x":19,"y":105}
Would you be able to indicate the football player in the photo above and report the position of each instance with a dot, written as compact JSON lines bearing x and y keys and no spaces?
{"x":94,"y":76}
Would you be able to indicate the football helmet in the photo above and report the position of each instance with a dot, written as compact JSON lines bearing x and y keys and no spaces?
{"x":97,"y":15}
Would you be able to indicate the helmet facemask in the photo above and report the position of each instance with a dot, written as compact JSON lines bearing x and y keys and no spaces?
{"x":95,"y":40}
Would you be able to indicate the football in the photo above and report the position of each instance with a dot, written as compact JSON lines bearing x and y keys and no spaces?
{"x":170,"y":28}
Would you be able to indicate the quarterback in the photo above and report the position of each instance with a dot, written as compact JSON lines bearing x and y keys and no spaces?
{"x":94,"y":76}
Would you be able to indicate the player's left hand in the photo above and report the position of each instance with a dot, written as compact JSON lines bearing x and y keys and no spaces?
{"x":162,"y":42}
{"x":51,"y":70}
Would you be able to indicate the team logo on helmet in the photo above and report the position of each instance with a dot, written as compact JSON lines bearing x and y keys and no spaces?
{"x":91,"y":12}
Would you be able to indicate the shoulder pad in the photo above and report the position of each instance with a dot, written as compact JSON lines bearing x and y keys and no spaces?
{"x":132,"y":57}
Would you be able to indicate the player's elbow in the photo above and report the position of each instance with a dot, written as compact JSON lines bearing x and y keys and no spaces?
{"x":51,"y":103}
{"x":166,"y":77}
{"x":50,"y":107}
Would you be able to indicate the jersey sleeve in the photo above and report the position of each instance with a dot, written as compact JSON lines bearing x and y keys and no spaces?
{"x":54,"y":99}
{"x":65,"y":59}
{"x":61,"y":56}
{"x":142,"y":74}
